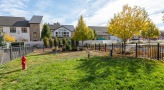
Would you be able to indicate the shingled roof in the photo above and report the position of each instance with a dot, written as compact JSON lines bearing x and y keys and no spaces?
{"x":55,"y":26}
{"x":36,"y":19}
{"x":70,"y":27}
{"x":13,"y":21}
{"x":100,"y":30}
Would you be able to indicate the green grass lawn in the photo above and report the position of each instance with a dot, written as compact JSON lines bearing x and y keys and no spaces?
{"x":73,"y":71}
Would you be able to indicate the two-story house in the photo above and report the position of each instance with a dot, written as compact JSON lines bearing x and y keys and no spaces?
{"x":22,"y":29}
{"x":61,"y":31}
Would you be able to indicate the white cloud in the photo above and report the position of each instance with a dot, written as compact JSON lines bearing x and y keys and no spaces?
{"x":102,"y":15}
{"x":14,"y":8}
{"x":95,"y":12}
{"x":50,"y":19}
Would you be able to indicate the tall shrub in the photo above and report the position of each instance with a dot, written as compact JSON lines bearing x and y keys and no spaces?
{"x":60,"y":43}
{"x":45,"y":40}
{"x":77,"y":43}
{"x":64,"y":41}
{"x":55,"y":41}
{"x":50,"y":42}
{"x":46,"y":32}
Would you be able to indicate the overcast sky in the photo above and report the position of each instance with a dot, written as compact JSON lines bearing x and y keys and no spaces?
{"x":95,"y":12}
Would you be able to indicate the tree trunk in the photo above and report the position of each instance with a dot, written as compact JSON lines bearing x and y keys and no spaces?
{"x":124,"y":47}
{"x":82,"y":44}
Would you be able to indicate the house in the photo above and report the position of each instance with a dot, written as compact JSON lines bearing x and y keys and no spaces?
{"x":61,"y":31}
{"x":101,"y":32}
{"x":22,"y":29}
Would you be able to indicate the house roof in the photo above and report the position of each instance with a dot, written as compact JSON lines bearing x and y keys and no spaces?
{"x":70,"y":27}
{"x":55,"y":26}
{"x":100,"y":30}
{"x":36,"y":19}
{"x":102,"y":33}
{"x":13,"y":21}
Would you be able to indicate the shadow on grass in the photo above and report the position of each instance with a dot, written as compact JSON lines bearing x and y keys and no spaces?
{"x":100,"y":69}
{"x":9,"y":72}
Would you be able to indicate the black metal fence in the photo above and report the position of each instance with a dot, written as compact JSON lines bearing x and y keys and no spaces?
{"x":151,"y":51}
{"x":12,"y":53}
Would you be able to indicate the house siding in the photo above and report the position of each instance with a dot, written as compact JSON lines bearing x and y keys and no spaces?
{"x":35,"y":28}
{"x":19,"y":36}
{"x":62,"y":29}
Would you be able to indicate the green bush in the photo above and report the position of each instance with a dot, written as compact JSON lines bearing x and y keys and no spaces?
{"x":68,"y":47}
{"x":72,"y":42}
{"x":60,"y":43}
{"x":45,"y":40}
{"x":55,"y":41}
{"x":69,"y":42}
{"x":50,"y":42}
{"x":77,"y":43}
{"x":64,"y":41}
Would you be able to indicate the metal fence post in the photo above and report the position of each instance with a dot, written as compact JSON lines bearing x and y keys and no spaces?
{"x":95,"y":46}
{"x":158,"y":51}
{"x":43,"y":47}
{"x":19,"y":51}
{"x":87,"y":45}
{"x":25,"y":51}
{"x":112,"y":46}
{"x":10,"y":53}
{"x":122,"y":48}
{"x":136,"y":50}
{"x":105,"y":47}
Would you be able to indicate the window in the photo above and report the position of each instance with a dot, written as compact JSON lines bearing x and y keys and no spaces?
{"x":56,"y":32}
{"x":24,"y":30}
{"x":1,"y":29}
{"x":34,"y":34}
{"x":12,"y":30}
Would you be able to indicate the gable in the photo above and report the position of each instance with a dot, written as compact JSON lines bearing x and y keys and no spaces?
{"x":62,"y":29}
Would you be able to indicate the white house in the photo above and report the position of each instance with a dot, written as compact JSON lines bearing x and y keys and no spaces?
{"x":20,"y":33}
{"x":62,"y":30}
{"x":20,"y":28}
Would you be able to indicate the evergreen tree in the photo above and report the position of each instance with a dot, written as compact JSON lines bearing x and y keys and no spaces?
{"x":2,"y":39}
{"x":50,"y":42}
{"x":56,"y":42}
{"x":45,"y":40}
{"x":95,"y":34}
{"x":46,"y":31}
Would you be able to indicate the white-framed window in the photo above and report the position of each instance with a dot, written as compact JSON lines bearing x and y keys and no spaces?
{"x":12,"y":29}
{"x":1,"y":29}
{"x":24,"y":30}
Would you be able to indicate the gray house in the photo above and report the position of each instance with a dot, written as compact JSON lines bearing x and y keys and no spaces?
{"x":101,"y":31}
